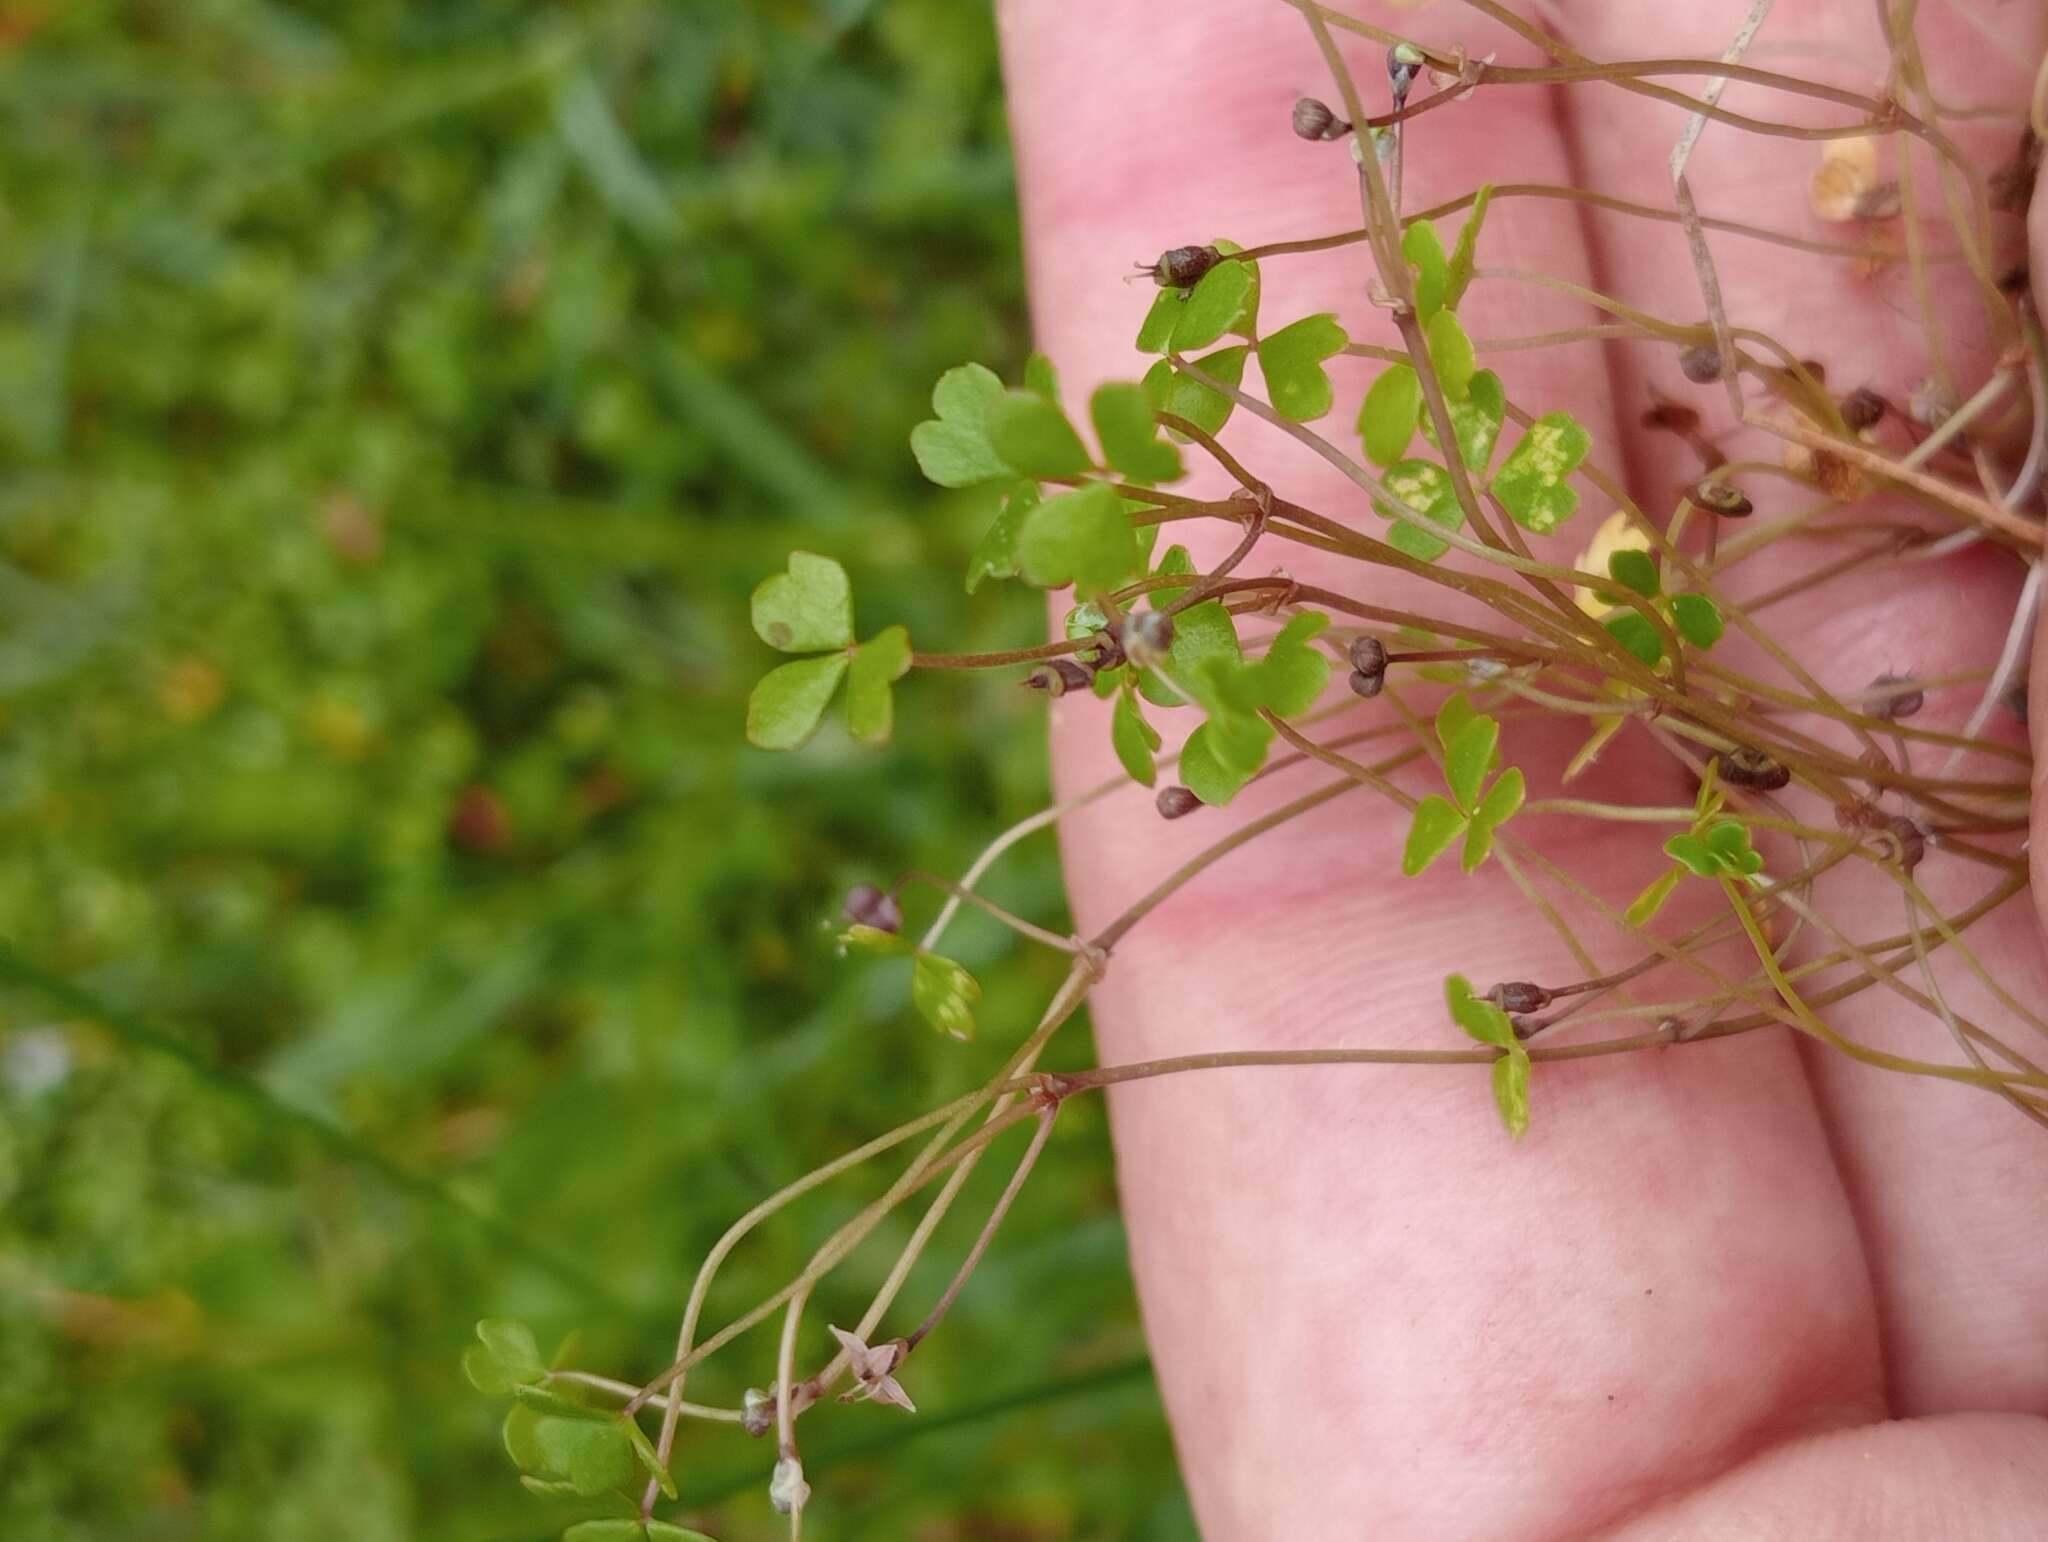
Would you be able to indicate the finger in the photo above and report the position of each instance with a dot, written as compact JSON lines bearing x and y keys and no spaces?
{"x":1362,"y":1300}
{"x":1950,"y":1190}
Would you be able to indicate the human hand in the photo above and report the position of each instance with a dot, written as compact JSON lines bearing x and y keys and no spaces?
{"x":1740,"y":1289}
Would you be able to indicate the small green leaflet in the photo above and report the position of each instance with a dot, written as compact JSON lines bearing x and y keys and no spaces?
{"x":1134,"y":740}
{"x":877,"y":664}
{"x":505,"y":1356}
{"x":953,"y":449}
{"x":1460,"y":271}
{"x":807,"y":609}
{"x":1637,"y":570}
{"x":811,"y":607}
{"x":1636,"y":635}
{"x":945,"y":994}
{"x":594,"y":1456}
{"x":1451,"y":354}
{"x":1175,"y":562}
{"x":1476,"y":420}
{"x":1083,"y":538}
{"x":1129,"y":435}
{"x":996,"y":556}
{"x":1033,"y":435}
{"x":1532,"y":482}
{"x":1291,"y":359}
{"x":1424,"y":488}
{"x":1225,"y":300}
{"x":1487,"y":1023}
{"x":1424,"y":250}
{"x":1177,"y":392}
{"x":1387,"y":416}
{"x":1040,"y":376}
{"x":1698,"y":619}
{"x":1200,"y":633}
{"x":631,"y":1531}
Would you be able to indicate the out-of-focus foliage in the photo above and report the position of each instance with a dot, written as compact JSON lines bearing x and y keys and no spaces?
{"x":398,"y":403}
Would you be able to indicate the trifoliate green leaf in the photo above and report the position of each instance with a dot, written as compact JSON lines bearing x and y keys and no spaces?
{"x":1698,"y":619}
{"x":1082,"y":538}
{"x":1424,"y":249}
{"x":789,"y":700}
{"x":1182,"y":395}
{"x":1291,"y":359}
{"x":1532,"y":482}
{"x":1033,"y":435}
{"x":1636,"y":569}
{"x":1468,"y":758}
{"x":807,"y":609}
{"x":1460,"y":270}
{"x":1129,"y":435}
{"x":1134,"y":740}
{"x":1695,"y":853}
{"x":1729,"y":842}
{"x":996,"y":556}
{"x":877,"y":664}
{"x":1503,"y":799}
{"x":594,"y":1455}
{"x":1387,"y":416}
{"x":1636,"y":635}
{"x":1425,"y":489}
{"x":1476,"y":420}
{"x":1435,"y":825}
{"x":1452,"y":355}
{"x":953,"y":449}
{"x":944,"y":994}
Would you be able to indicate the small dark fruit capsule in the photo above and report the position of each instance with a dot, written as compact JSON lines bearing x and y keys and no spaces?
{"x":1900,"y":704}
{"x":1183,"y":266}
{"x":1700,"y":363}
{"x":1751,"y":768}
{"x":1515,"y":997}
{"x":1176,"y":802}
{"x":1147,"y":637}
{"x":1314,"y":120}
{"x":1724,"y":499}
{"x":1403,"y":60}
{"x":1368,"y":666}
{"x":1056,"y":677}
{"x":1861,"y":408}
{"x":867,"y":905}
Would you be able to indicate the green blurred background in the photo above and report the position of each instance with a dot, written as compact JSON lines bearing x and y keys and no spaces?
{"x":398,"y":402}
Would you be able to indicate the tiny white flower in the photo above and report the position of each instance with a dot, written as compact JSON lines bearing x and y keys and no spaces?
{"x":873,"y":1370}
{"x":787,"y":1490}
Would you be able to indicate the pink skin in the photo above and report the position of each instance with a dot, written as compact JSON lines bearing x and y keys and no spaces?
{"x":1742,"y":1290}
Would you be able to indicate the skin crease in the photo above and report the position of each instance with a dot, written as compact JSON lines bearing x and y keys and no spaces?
{"x":1732,"y":1291}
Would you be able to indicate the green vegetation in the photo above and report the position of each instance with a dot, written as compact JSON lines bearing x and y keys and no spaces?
{"x":398,"y":405}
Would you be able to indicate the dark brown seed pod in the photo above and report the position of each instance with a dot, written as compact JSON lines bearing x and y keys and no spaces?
{"x":1176,"y":802}
{"x":1753,"y":769}
{"x":1723,"y":498}
{"x":1368,"y":666}
{"x":867,"y":905}
{"x":1147,"y":637}
{"x":1183,"y":266}
{"x":1700,"y":363}
{"x":1861,"y":408}
{"x":1911,"y":840}
{"x":1900,"y":704}
{"x":1056,"y":677}
{"x":1672,"y":417}
{"x":1314,"y":120}
{"x":1515,"y":997}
